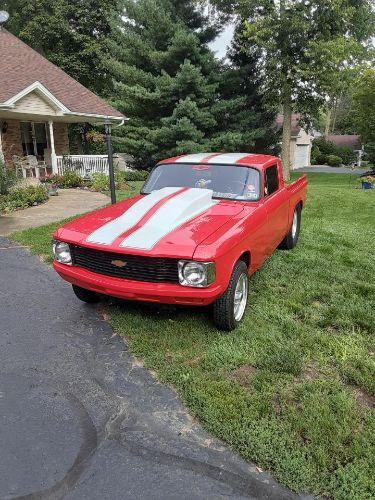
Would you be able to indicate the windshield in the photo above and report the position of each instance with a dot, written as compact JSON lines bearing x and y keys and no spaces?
{"x":226,"y":181}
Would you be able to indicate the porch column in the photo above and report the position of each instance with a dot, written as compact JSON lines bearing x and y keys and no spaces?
{"x":53,"y":152}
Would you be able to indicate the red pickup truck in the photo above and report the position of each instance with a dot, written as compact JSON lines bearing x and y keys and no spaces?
{"x":201,"y":226}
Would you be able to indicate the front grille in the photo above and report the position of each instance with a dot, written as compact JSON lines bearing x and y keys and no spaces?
{"x":138,"y":268}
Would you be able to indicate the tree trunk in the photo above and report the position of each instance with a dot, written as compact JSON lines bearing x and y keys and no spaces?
{"x":286,"y":138}
{"x":328,"y":121}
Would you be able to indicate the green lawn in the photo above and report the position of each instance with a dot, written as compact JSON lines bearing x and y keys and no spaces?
{"x":293,"y":388}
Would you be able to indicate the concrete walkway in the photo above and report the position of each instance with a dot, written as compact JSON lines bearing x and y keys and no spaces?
{"x":68,"y":203}
{"x":81,"y":419}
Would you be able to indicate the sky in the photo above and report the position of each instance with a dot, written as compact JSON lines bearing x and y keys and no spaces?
{"x":219,"y":46}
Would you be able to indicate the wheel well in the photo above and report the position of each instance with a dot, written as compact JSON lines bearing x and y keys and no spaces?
{"x":245,"y":257}
{"x":300,"y":203}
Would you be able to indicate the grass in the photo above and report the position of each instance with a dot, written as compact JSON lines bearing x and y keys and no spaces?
{"x":293,"y":388}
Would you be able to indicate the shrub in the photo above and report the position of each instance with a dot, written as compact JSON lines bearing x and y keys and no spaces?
{"x":135,"y":175}
{"x":23,"y":197}
{"x":334,"y":161}
{"x":348,"y":155}
{"x":99,"y":182}
{"x":8,"y":178}
{"x":325,"y":147}
{"x":70,"y":179}
{"x":322,"y":148}
{"x":321,"y":159}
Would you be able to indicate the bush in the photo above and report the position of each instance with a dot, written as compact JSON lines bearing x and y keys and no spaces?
{"x":23,"y":197}
{"x":348,"y":155}
{"x":99,"y":182}
{"x":8,"y":178}
{"x":135,"y":175}
{"x":71,"y":179}
{"x":321,"y":159}
{"x":334,"y":161}
{"x":322,"y":148}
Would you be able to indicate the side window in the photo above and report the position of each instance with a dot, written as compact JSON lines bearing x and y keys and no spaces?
{"x":271,"y":180}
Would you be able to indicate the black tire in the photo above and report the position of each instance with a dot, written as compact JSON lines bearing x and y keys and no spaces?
{"x":223,"y":308}
{"x":86,"y":295}
{"x":291,"y":239}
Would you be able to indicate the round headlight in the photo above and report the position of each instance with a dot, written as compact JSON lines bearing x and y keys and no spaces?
{"x":194,"y":273}
{"x":61,"y":252}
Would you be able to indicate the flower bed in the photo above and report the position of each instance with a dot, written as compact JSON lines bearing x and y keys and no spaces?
{"x":23,"y":197}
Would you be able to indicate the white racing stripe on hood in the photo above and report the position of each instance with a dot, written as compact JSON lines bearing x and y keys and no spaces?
{"x":108,"y":233}
{"x":228,"y":158}
{"x":193,"y":158}
{"x":169,"y":217}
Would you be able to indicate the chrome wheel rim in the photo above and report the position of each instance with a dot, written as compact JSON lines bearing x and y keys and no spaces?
{"x":240,"y":297}
{"x":295,"y":224}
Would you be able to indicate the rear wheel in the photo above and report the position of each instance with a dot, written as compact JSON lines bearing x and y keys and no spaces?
{"x":291,"y":239}
{"x":230,"y":308}
{"x":86,"y":295}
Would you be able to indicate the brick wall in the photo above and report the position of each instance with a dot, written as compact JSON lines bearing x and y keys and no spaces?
{"x":60,"y":132}
{"x":11,"y":141}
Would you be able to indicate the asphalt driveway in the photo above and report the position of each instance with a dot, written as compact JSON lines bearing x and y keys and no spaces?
{"x":80,"y":418}
{"x":325,"y":169}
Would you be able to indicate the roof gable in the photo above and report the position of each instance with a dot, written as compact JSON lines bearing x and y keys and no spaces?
{"x":42,"y":91}
{"x":24,"y":70}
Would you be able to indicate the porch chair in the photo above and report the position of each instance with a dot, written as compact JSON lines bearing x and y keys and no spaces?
{"x":31,"y":164}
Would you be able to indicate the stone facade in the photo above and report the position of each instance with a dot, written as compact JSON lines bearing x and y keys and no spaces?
{"x":12,"y":141}
{"x":60,"y":132}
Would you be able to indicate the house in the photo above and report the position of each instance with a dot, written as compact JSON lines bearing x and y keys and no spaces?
{"x":37,"y":103}
{"x":301,"y":142}
{"x":352,"y":142}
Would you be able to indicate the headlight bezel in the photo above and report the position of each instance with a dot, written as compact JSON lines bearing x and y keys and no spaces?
{"x":58,"y":252}
{"x":207,"y":276}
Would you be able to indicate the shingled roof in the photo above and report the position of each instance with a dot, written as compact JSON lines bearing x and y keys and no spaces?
{"x":21,"y":67}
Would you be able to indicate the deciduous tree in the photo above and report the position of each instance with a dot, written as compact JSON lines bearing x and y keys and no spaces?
{"x":304,"y":45}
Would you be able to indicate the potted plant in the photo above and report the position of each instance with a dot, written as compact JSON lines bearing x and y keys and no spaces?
{"x":51,"y":185}
{"x":367,"y":181}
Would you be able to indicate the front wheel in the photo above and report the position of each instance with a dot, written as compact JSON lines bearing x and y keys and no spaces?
{"x":291,"y":239}
{"x":230,"y":308}
{"x":86,"y":295}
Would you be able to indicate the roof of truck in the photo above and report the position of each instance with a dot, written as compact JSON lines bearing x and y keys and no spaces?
{"x":244,"y":159}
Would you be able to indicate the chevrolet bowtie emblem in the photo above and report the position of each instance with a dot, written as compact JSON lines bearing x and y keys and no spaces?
{"x":118,"y":263}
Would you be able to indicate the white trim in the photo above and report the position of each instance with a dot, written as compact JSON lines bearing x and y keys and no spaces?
{"x":93,"y":115}
{"x":52,"y":144}
{"x":38,"y":87}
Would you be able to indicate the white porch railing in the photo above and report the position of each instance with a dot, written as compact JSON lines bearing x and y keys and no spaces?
{"x":84,"y":165}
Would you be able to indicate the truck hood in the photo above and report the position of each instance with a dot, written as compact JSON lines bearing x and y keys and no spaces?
{"x":170,"y":222}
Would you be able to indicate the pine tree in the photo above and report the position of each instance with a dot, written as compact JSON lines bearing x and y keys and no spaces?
{"x":165,"y":79}
{"x":245,"y":123}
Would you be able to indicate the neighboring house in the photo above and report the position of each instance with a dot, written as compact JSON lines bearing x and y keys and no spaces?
{"x":352,"y":142}
{"x":37,"y":103}
{"x":301,"y":143}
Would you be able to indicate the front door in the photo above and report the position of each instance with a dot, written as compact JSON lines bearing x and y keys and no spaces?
{"x":34,"y":139}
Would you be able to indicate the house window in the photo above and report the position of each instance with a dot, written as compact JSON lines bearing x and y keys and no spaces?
{"x":271,"y":181}
{"x":34,"y":139}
